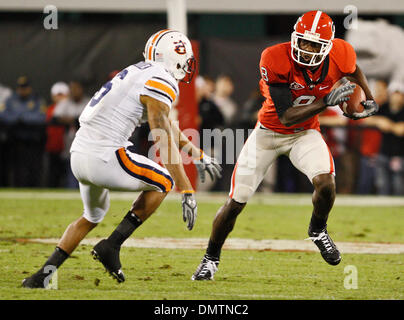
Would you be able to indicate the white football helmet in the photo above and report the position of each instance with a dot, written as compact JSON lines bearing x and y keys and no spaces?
{"x":173,"y":51}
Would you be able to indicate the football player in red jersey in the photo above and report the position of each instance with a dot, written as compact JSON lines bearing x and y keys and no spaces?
{"x":297,"y":79}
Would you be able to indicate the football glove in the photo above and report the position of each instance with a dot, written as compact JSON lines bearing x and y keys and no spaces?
{"x":189,"y":209}
{"x":340,"y":94}
{"x":209,"y":164}
{"x":371,"y":108}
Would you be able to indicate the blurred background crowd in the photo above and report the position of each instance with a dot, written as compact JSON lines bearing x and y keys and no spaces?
{"x":36,"y":134}
{"x":48,"y":77}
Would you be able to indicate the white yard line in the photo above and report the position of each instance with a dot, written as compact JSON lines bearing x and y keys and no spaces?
{"x":219,"y":198}
{"x":247,"y":244}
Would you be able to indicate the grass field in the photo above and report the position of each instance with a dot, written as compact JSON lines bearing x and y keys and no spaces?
{"x":155,"y":273}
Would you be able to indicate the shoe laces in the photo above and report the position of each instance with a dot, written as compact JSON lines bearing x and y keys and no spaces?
{"x":208,"y":266}
{"x":324,"y":239}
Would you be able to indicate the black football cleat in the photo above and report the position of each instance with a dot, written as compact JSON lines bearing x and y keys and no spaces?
{"x":327,"y":247}
{"x":206,"y":269}
{"x":108,"y":255}
{"x":36,"y":281}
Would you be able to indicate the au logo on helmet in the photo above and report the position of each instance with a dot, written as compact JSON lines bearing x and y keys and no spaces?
{"x":180,"y":47}
{"x":173,"y":51}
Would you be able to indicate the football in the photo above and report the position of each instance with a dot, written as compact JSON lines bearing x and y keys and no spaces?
{"x":354,"y":103}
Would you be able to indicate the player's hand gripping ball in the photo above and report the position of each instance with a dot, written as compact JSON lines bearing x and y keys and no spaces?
{"x":357,"y":107}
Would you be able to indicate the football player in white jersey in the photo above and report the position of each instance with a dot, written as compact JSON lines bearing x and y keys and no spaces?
{"x":102,"y":158}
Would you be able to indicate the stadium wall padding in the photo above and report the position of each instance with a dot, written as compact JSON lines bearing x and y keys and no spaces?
{"x":83,"y":51}
{"x":90,"y":51}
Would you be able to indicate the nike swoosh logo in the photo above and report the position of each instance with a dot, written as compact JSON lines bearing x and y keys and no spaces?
{"x":321,"y":88}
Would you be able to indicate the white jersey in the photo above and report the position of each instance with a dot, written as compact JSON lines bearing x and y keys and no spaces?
{"x":111,"y":116}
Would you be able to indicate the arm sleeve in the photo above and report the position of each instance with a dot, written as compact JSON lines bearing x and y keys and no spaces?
{"x":281,"y":96}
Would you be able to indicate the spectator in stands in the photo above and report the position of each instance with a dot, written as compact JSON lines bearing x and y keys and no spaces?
{"x":224,"y":88}
{"x":210,"y":86}
{"x":67,"y":112}
{"x":209,"y":118}
{"x":336,"y":133}
{"x":24,"y":114}
{"x":4,"y":94}
{"x":249,"y":111}
{"x":55,"y":138}
{"x":5,"y":144}
{"x":390,"y":161}
{"x":222,"y":97}
{"x":398,"y":129}
{"x":370,"y":143}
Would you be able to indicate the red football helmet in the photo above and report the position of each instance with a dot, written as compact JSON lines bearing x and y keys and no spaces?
{"x":317,"y":27}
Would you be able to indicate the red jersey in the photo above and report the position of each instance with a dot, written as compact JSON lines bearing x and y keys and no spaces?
{"x":277,"y":66}
{"x":371,"y":141}
{"x":55,"y":133}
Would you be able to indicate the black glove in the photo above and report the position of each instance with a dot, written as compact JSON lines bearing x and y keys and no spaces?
{"x":371,"y":108}
{"x":340,"y":94}
{"x":209,"y":164}
{"x":189,"y":209}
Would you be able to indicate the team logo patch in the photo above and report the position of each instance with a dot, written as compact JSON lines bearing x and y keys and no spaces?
{"x":180,"y":47}
{"x":296,"y":86}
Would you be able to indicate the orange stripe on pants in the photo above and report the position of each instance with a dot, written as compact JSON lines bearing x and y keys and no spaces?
{"x":233,"y":178}
{"x":332,"y":170}
{"x":144,"y":172}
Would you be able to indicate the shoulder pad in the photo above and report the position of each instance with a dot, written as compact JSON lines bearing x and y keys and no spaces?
{"x":344,"y":56}
{"x":276,"y":60}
